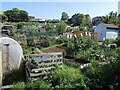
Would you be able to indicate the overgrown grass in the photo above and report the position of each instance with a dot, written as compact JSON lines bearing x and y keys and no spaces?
{"x":31,"y":85}
{"x":68,"y":77}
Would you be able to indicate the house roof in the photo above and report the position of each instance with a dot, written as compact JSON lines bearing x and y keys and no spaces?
{"x":111,"y":26}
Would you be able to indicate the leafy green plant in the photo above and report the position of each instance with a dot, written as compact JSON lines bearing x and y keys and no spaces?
{"x":111,"y":54}
{"x":84,"y":55}
{"x":78,"y":44}
{"x":103,"y":76}
{"x":117,"y":41}
{"x":68,"y":77}
{"x":89,"y":54}
{"x":27,"y":50}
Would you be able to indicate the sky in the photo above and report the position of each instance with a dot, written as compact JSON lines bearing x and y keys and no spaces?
{"x":53,"y":10}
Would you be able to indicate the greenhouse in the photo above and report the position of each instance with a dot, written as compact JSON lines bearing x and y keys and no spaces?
{"x":12,"y":53}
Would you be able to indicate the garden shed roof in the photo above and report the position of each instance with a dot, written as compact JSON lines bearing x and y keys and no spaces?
{"x":111,"y":26}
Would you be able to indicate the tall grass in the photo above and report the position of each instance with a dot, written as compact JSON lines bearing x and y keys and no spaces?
{"x":31,"y":85}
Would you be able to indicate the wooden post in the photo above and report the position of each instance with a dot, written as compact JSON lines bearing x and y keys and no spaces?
{"x":96,"y":37}
{"x":1,"y":68}
{"x":7,"y":56}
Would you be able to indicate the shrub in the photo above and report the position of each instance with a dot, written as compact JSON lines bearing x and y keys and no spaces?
{"x":77,"y":44}
{"x":108,"y":41}
{"x":27,"y":50}
{"x":83,"y":55}
{"x":63,"y":39}
{"x":117,"y":41}
{"x":45,"y":41}
{"x":111,"y":54}
{"x":89,"y":54}
{"x":103,"y":76}
{"x":87,"y":42}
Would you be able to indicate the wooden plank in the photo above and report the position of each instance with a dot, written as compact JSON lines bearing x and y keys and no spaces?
{"x":46,"y":54}
{"x":7,"y":87}
{"x":48,"y":59}
{"x":38,"y":74}
{"x":39,"y":69}
{"x":52,"y":63}
{"x":34,"y":79}
{"x":47,"y":68}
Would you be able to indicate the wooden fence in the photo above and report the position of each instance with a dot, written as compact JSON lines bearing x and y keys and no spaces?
{"x":40,"y":65}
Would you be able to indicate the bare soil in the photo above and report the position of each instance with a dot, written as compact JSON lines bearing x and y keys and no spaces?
{"x":55,"y":49}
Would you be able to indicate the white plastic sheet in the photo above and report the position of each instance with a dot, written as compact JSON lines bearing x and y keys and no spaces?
{"x":15,"y":53}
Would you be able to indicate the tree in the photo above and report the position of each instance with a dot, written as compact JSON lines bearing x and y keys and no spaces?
{"x":78,"y":19}
{"x":60,"y":27}
{"x":48,"y":27}
{"x":16,"y":15}
{"x":118,"y":22}
{"x":111,"y":18}
{"x":23,"y":16}
{"x":88,"y":20}
{"x":64,"y":16}
{"x":3,"y":18}
{"x":97,"y":20}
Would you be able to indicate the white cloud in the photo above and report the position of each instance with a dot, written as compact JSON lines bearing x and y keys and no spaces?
{"x":60,"y":0}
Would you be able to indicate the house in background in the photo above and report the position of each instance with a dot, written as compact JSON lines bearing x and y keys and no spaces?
{"x":31,"y":18}
{"x":37,"y":19}
{"x":106,"y":31}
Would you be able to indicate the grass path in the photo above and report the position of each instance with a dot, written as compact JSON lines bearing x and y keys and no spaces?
{"x":52,"y":46}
